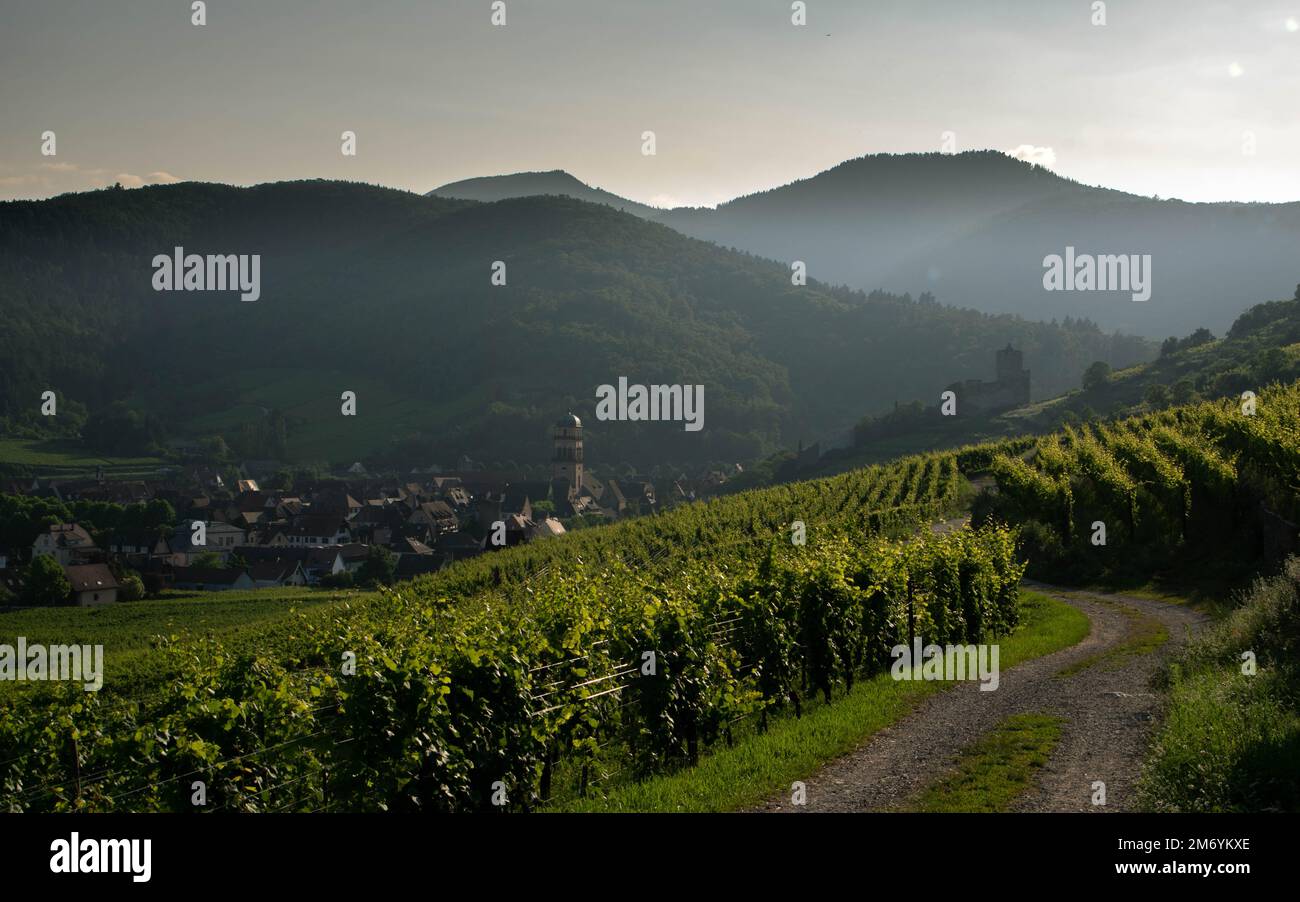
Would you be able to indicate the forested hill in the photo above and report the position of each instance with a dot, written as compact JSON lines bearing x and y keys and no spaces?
{"x":974,"y":228}
{"x":531,"y":184}
{"x":388,"y":294}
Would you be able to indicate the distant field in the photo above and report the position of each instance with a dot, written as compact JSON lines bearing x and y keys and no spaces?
{"x":61,"y":457}
{"x":128,"y":630}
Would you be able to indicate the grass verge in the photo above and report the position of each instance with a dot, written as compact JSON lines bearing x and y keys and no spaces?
{"x":1145,"y":635}
{"x":997,"y":770}
{"x":761,"y":765}
{"x":1230,"y":737}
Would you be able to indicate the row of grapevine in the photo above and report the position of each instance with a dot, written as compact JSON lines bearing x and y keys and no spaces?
{"x":1210,"y":477}
{"x":420,"y":705}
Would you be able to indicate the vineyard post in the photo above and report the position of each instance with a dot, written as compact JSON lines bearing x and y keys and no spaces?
{"x":76,"y":765}
{"x":545,"y":788}
{"x":911,"y":616}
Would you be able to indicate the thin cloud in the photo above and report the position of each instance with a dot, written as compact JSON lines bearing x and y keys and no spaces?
{"x":53,"y":177}
{"x":1040,"y":156}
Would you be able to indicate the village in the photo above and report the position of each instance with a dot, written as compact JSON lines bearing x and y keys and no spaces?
{"x":355,"y":529}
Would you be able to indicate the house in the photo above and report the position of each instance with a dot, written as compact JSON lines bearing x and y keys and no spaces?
{"x":335,"y":502}
{"x":409,"y":566}
{"x":374,"y":520}
{"x":144,"y":542}
{"x":208,"y":579}
{"x":546,"y":528}
{"x":322,"y":562}
{"x":67,"y":543}
{"x":410,"y":546}
{"x":271,"y":574}
{"x":457,"y":496}
{"x":517,"y":531}
{"x":317,"y":529}
{"x":435,"y":516}
{"x":92,"y":584}
{"x":219,"y":537}
{"x":616,"y":501}
{"x":354,"y":555}
{"x":316,"y":562}
{"x":458,"y":545}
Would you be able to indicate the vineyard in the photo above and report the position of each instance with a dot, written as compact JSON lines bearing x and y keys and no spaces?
{"x":503,"y":680}
{"x":1218,"y":482}
{"x":534,"y":674}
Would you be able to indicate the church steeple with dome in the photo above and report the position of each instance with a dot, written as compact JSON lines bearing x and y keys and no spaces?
{"x":566,"y":462}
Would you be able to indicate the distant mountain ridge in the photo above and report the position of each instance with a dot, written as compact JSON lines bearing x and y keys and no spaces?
{"x":534,"y":184}
{"x":389,"y":295}
{"x":974,"y":228}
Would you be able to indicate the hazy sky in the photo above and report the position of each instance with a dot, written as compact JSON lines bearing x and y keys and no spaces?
{"x":1160,"y":100}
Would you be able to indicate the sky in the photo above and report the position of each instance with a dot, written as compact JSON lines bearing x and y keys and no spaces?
{"x":1177,"y":98}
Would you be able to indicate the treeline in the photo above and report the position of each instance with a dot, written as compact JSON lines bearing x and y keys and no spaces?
{"x":23,"y":517}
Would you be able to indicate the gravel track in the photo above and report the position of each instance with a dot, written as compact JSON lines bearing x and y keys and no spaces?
{"x":1109,"y":709}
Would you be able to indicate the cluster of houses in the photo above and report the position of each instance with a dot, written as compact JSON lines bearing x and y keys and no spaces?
{"x":303,"y":536}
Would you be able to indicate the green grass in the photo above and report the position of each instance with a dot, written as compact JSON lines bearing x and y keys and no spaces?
{"x":1230,"y":740}
{"x":128,"y":630}
{"x":996,"y":770}
{"x":1208,"y":594}
{"x":1145,"y":635}
{"x":66,"y":456}
{"x":761,"y":765}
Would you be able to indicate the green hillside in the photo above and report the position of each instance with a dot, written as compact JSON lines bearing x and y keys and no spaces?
{"x":1262,"y":347}
{"x":388,"y":294}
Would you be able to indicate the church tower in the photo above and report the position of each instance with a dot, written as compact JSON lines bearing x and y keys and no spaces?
{"x":566,"y":463}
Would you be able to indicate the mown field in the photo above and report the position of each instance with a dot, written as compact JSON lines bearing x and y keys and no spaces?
{"x":66,"y":459}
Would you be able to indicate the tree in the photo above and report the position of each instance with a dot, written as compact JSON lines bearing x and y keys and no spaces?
{"x":213,"y":449}
{"x":1271,"y":364}
{"x":1157,"y":396}
{"x":132,"y":588}
{"x":1184,"y":392}
{"x":208,"y":559}
{"x":118,"y":429}
{"x":341,"y":580}
{"x":153,"y":584}
{"x":45,"y":583}
{"x":1096,"y":375}
{"x":379,"y":567}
